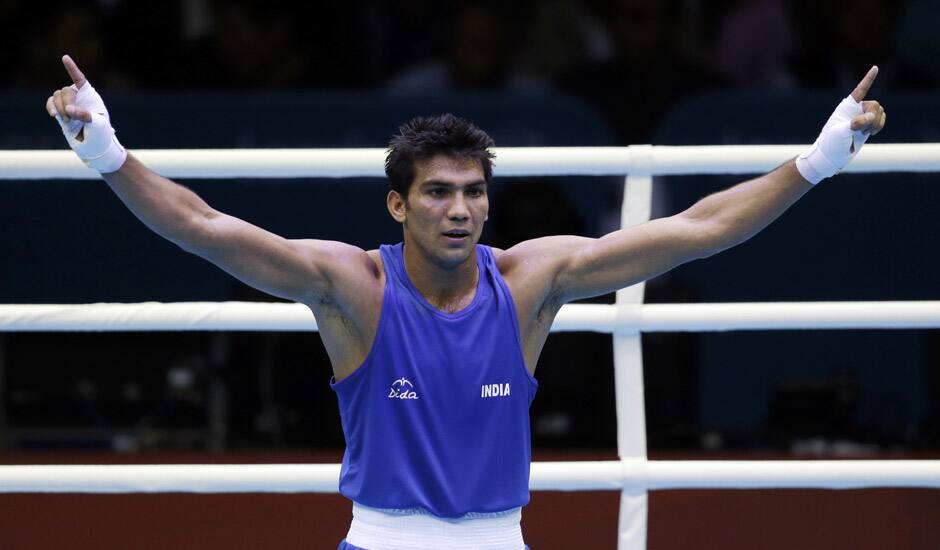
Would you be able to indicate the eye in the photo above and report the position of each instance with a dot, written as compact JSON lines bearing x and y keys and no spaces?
{"x":437,"y":192}
{"x":476,"y":192}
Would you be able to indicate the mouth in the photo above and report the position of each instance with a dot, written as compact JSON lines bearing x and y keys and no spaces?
{"x":456,"y":235}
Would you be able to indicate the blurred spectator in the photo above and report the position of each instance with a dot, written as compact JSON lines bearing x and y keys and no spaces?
{"x":253,"y":45}
{"x":14,"y":34}
{"x":918,"y":39}
{"x":72,"y":28}
{"x":839,"y":42}
{"x":422,"y":46}
{"x":143,"y":41}
{"x":753,"y":42}
{"x":479,"y":56}
{"x":403,"y":34}
{"x":277,"y":44}
{"x":647,"y":74}
{"x":565,"y":34}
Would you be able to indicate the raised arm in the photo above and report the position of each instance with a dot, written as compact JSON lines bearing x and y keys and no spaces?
{"x":582,"y":267}
{"x":301,"y":270}
{"x":713,"y":224}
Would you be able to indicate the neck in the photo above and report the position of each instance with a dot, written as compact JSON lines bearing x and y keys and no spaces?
{"x":448,"y":288}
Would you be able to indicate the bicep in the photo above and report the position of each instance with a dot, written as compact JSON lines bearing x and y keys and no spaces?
{"x":617,"y":260}
{"x":298,"y":270}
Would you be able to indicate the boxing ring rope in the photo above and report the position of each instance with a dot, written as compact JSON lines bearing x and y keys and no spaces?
{"x":633,"y":474}
{"x":603,"y":318}
{"x":513,"y":161}
{"x":565,"y":476}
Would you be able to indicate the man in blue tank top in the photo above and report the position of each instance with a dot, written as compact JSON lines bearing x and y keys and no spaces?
{"x":434,"y":341}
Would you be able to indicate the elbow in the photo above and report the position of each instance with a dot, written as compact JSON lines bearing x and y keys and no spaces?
{"x":194,"y":235}
{"x":712,"y":238}
{"x":702,"y":252}
{"x":189,"y":246}
{"x":722,"y":243}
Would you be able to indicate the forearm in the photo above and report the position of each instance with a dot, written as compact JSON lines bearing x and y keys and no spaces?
{"x":734,"y":215}
{"x":169,"y":209}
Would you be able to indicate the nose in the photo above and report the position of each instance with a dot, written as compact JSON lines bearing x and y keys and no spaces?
{"x":457,"y":210}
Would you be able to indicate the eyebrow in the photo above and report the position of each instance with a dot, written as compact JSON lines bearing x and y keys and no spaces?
{"x":444,"y":183}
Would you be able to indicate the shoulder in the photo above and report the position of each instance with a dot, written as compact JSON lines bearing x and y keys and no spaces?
{"x":531,"y":269}
{"x":339,"y":258}
{"x":346,"y":271}
{"x":544,"y":253}
{"x":375,"y":262}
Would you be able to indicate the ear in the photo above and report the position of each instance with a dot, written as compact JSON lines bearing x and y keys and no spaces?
{"x":397,"y":206}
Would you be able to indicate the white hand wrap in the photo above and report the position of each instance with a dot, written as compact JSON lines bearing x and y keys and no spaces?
{"x":836,"y":145}
{"x":98,"y":147}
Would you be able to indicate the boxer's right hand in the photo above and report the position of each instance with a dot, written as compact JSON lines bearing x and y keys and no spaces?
{"x":84,"y":120}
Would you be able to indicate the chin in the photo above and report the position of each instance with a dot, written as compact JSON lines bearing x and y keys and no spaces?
{"x":455,"y":255}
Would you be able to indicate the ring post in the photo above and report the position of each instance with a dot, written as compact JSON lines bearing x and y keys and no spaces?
{"x":628,"y":362}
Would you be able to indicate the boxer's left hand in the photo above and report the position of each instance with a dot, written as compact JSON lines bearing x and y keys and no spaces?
{"x":849,"y":127}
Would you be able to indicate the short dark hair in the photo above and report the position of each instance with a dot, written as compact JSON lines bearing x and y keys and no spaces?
{"x":423,"y":137}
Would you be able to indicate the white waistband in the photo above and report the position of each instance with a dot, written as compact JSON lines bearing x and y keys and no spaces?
{"x":377,"y":530}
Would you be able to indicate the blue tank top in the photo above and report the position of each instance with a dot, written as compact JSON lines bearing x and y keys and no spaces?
{"x":437,"y":416}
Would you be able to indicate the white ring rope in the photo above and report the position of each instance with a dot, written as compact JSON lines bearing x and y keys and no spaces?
{"x":546,"y":476}
{"x":262,"y":316}
{"x":510,"y":161}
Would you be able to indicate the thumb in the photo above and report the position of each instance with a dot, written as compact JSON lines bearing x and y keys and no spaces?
{"x":77,"y":112}
{"x":863,"y":122}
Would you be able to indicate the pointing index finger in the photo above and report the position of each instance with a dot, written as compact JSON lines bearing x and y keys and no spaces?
{"x":861,"y":90}
{"x":78,"y":78}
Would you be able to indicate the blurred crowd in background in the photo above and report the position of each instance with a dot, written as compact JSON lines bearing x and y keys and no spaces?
{"x":596,"y":49}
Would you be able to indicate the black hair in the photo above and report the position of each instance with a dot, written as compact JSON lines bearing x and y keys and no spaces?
{"x":424,"y":137}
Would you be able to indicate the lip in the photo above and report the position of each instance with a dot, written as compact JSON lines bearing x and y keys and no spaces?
{"x":456,"y":239}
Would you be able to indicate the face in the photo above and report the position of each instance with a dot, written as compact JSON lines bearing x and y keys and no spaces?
{"x":445,"y":209}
